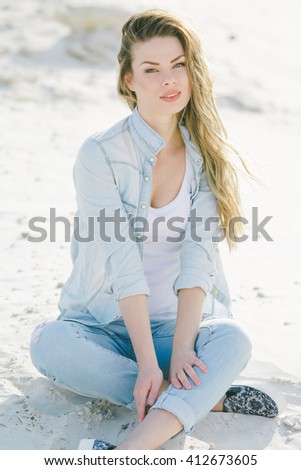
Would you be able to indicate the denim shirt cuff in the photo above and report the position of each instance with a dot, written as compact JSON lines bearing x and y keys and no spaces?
{"x":140,"y":287}
{"x":185,"y":281}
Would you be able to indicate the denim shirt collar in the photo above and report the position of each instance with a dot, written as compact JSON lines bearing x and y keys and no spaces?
{"x":147,"y":139}
{"x":150,"y":142}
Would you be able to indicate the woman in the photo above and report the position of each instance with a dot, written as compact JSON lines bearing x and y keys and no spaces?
{"x":130,"y":329}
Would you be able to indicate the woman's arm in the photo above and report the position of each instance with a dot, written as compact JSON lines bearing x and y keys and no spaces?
{"x":100,"y":204}
{"x":190,"y":304}
{"x":202,"y":236}
{"x":194,"y":282}
{"x":135,"y":315}
{"x":134,"y":310}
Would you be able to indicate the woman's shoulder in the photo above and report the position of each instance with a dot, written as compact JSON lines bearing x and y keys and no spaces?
{"x":97,"y":148}
{"x":110,"y":133}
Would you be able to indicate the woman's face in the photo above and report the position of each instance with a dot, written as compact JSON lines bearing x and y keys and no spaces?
{"x":159,"y":78}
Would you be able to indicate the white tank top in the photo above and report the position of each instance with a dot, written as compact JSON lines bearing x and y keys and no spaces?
{"x":161,"y":250}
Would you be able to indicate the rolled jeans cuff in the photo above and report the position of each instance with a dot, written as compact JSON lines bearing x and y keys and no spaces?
{"x":179,"y":408}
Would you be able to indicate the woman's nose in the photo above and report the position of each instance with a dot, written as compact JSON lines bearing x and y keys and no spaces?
{"x":169,"y":80}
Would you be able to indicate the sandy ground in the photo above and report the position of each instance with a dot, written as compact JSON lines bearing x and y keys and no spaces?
{"x":57,"y":86}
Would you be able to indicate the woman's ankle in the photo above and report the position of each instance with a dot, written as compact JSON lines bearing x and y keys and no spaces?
{"x":157,"y":427}
{"x":220,"y":405}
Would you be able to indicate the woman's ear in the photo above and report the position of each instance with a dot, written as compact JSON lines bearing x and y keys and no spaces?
{"x":128,"y":79}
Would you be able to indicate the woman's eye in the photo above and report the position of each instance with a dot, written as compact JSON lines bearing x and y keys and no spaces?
{"x":179,"y":64}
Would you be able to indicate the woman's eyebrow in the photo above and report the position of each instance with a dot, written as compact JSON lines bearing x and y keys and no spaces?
{"x":156,"y":63}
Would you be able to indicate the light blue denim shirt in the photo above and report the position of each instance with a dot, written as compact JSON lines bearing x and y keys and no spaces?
{"x":113,"y":171}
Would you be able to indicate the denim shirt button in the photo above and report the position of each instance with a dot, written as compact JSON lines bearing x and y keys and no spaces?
{"x":138,"y":235}
{"x":143,"y":206}
{"x":151,"y":159}
{"x":215,"y":292}
{"x":146,"y":178}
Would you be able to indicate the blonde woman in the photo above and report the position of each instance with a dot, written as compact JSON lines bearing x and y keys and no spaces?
{"x":146,"y":318}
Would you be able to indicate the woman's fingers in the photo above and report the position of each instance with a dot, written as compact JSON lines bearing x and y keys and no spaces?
{"x":182,"y":368}
{"x":192,"y":374}
{"x":183,"y":379}
{"x":175,"y":381}
{"x":153,"y":394}
{"x":147,"y":388}
{"x":140,"y":400}
{"x":201,"y":365}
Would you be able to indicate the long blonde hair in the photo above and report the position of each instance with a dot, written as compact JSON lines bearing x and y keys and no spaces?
{"x":200,"y":116}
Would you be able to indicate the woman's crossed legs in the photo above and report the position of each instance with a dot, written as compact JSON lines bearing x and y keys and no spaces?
{"x":99,"y":362}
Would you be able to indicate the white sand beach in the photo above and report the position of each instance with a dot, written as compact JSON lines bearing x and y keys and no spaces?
{"x":57,"y":86}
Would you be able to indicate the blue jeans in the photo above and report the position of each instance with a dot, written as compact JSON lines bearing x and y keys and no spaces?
{"x":99,"y":362}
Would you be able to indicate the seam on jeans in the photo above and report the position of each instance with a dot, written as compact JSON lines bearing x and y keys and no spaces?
{"x":36,"y":334}
{"x":118,"y":355}
{"x":81,"y":391}
{"x":101,"y":331}
{"x":203,"y":327}
{"x":200,"y":348}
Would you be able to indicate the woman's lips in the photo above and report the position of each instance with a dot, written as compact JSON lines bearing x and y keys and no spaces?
{"x":171,"y":96}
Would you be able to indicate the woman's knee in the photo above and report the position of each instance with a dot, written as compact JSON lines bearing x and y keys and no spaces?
{"x":43,"y":344}
{"x":238,"y":339}
{"x":241,"y":338}
{"x":233,"y":337}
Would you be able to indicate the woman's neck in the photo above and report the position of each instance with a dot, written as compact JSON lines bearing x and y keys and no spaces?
{"x":167,"y":127}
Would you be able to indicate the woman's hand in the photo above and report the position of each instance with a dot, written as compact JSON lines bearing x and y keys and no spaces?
{"x":181,"y":368}
{"x":146,"y":389}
